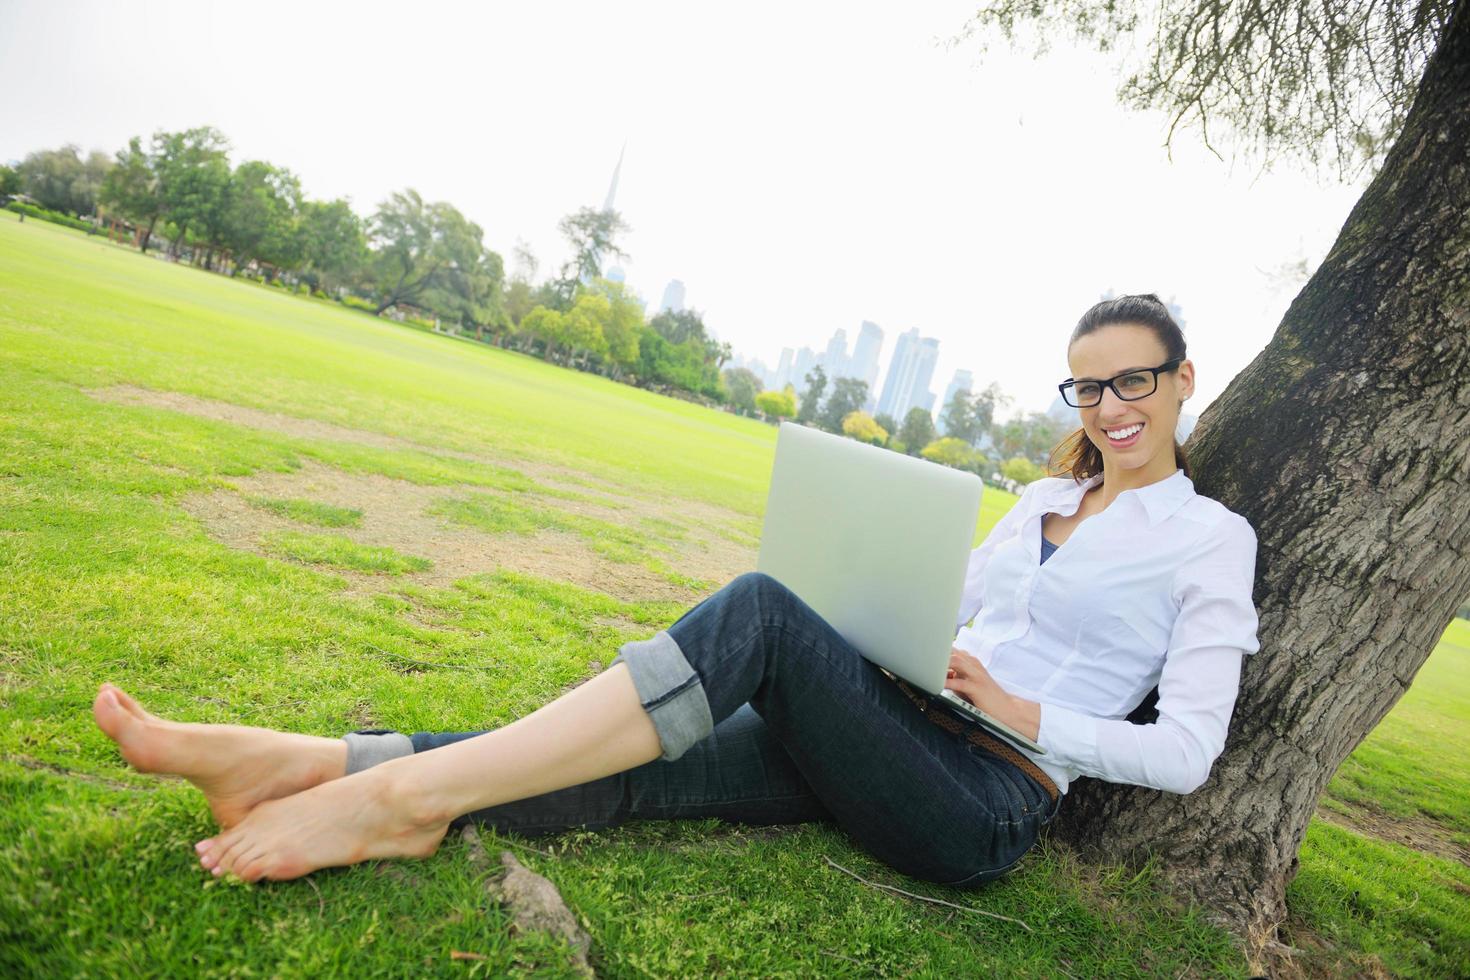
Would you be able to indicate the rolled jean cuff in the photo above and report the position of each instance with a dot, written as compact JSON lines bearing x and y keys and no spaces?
{"x":369,"y":748}
{"x":670,"y":691}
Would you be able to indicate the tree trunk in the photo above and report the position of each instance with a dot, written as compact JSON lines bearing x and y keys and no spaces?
{"x":1346,"y":444}
{"x":148,"y":234}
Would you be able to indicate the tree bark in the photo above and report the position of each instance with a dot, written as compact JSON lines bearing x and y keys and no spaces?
{"x":1346,"y":444}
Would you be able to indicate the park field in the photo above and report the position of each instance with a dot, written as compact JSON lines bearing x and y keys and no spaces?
{"x":248,"y":506}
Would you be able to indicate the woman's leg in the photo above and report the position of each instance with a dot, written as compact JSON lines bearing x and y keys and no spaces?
{"x":738,"y":773}
{"x":910,"y":792}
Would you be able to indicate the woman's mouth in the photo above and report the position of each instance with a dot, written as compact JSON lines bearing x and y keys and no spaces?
{"x":1129,"y":433}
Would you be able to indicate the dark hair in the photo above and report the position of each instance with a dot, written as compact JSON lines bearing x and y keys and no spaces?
{"x":1076,"y":455}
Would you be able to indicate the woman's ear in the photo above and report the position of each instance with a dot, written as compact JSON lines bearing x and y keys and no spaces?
{"x":1186,"y":379}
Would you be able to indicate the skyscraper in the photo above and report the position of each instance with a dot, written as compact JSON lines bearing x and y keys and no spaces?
{"x":909,"y":374}
{"x":608,"y":203}
{"x":806,"y":359}
{"x":673,"y":300}
{"x":834,"y":358}
{"x":784,"y":368}
{"x":612,"y":188}
{"x":864,"y":361}
{"x":928,"y":356}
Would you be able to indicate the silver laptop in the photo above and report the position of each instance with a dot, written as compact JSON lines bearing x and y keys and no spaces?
{"x":877,"y":543}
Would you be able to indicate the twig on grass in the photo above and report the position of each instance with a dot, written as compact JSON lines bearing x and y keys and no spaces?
{"x":925,"y":898}
{"x":271,"y":707}
{"x":477,"y":853}
{"x":321,"y":903}
{"x":828,"y":952}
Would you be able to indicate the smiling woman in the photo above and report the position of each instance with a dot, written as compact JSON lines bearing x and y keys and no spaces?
{"x":751,"y":708}
{"x":1129,"y":347}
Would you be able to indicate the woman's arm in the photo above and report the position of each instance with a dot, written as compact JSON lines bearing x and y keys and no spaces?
{"x":1214,"y":630}
{"x":1212,"y":634}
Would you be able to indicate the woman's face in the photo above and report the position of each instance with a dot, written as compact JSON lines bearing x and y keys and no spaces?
{"x":1113,"y":350}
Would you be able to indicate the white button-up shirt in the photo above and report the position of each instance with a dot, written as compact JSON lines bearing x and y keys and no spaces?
{"x":1154,"y":589}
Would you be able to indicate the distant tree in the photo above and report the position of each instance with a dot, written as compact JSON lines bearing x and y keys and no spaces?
{"x":777,"y":404}
{"x":621,"y":324}
{"x":418,"y":245}
{"x":859,"y":425}
{"x":593,"y":235}
{"x":193,"y":178}
{"x":467,"y":289}
{"x":950,"y":451}
{"x":333,"y":244}
{"x":848,"y":395}
{"x":889,"y":424}
{"x":62,"y":181}
{"x":741,"y":385}
{"x":954,"y":417}
{"x":1022,"y":470}
{"x":261,"y":212}
{"x":664,"y":365}
{"x":917,"y":430}
{"x":984,"y":405}
{"x":583,"y":326}
{"x":546,"y":326}
{"x":520,"y":299}
{"x":525,"y":262}
{"x":520,"y":293}
{"x":131,"y":189}
{"x":9,"y":181}
{"x":679,"y":327}
{"x":969,"y":415}
{"x":1033,"y":436}
{"x":811,"y":398}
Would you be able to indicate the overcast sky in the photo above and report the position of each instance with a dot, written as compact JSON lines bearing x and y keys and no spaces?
{"x":800,"y":167}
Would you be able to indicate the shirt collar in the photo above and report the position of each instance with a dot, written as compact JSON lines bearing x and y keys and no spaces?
{"x":1159,"y":499}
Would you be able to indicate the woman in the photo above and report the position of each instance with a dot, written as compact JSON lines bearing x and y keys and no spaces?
{"x":751,"y":708}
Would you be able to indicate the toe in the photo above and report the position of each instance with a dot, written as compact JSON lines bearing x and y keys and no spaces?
{"x":109,"y":713}
{"x":230,"y":859}
{"x":213,"y":849}
{"x":129,"y":704}
{"x":253,"y":866}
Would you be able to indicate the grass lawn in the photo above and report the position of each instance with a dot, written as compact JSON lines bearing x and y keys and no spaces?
{"x":245,"y":506}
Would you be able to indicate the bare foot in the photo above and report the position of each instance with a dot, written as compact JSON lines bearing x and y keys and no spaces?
{"x":341,"y":822}
{"x":236,"y":767}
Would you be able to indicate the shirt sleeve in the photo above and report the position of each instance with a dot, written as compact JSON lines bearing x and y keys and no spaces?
{"x":1006,"y":528}
{"x":1212,"y":634}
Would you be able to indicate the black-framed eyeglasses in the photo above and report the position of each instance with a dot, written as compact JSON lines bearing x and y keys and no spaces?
{"x":1129,"y":386}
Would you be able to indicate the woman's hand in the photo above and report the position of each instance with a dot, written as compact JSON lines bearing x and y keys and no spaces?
{"x":970,"y":680}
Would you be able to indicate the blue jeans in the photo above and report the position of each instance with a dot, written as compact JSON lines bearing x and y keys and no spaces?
{"x":766,"y":715}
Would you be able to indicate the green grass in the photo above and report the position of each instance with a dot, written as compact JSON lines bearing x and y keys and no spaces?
{"x":1398,"y":770}
{"x":309,"y":512}
{"x":500,"y":515}
{"x":340,"y":552}
{"x":1407,"y":909}
{"x":107,"y":576}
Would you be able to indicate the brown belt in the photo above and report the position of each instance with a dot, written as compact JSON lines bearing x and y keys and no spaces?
{"x":977,"y":736}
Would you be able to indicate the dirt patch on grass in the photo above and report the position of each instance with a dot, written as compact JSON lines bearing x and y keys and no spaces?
{"x":1420,"y":833}
{"x":395,"y":515}
{"x":707,"y":542}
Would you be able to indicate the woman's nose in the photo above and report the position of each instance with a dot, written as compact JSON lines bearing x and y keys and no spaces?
{"x":1106,"y":411}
